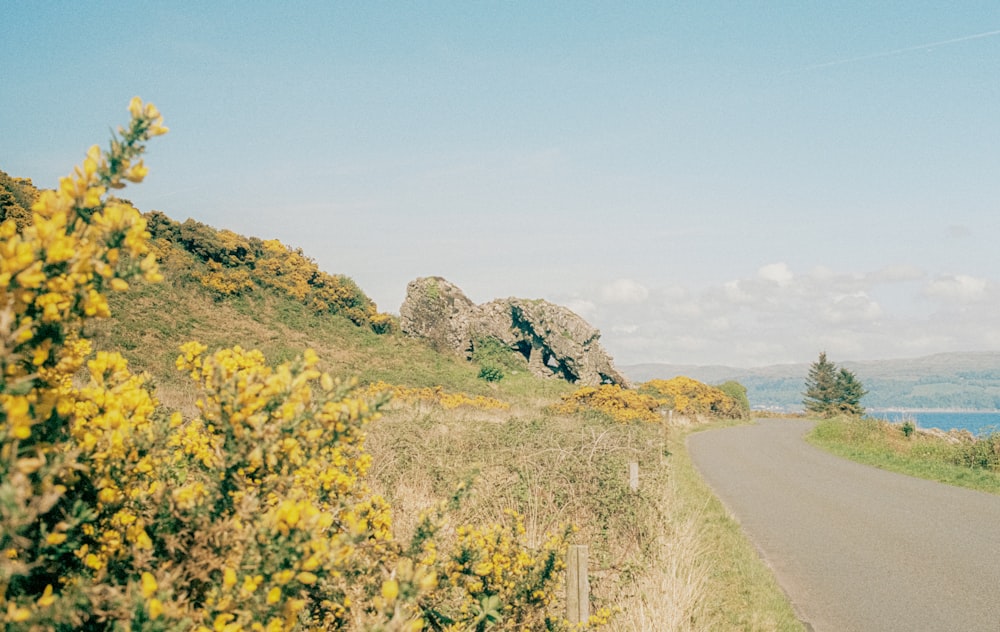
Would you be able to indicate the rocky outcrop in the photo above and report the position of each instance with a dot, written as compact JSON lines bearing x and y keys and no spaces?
{"x":554,"y":340}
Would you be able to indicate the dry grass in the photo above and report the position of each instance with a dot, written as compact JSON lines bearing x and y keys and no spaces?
{"x":671,"y":593}
{"x":666,"y":557}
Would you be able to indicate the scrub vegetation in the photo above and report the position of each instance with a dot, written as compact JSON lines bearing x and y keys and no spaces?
{"x":205,"y":431}
{"x":956,"y":458}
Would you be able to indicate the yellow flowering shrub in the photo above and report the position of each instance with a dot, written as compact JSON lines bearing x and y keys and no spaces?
{"x":436,"y":395}
{"x":226,"y":281}
{"x":492,"y":568}
{"x":621,"y":404}
{"x":691,"y":397}
{"x":253,"y":515}
{"x":236,"y":264}
{"x":66,"y":450}
{"x":16,"y":197}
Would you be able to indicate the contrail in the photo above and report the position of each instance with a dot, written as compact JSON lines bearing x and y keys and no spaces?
{"x":901,"y":51}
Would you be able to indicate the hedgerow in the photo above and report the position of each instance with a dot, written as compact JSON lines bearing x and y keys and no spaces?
{"x":252,"y":515}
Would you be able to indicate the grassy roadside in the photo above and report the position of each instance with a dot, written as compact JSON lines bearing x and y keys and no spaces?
{"x":885,"y":445}
{"x":668,"y":557}
{"x":740,"y":592}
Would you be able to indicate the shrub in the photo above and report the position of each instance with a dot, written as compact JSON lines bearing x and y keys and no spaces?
{"x":16,"y":198}
{"x":620,"y":404}
{"x":491,"y":373}
{"x":253,"y":515}
{"x":738,"y":393}
{"x":489,"y":351}
{"x":691,"y":397}
{"x":982,"y":452}
{"x":237,"y":265}
{"x":908,"y":428}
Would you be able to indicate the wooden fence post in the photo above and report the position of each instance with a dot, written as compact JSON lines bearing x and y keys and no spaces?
{"x":633,"y":476}
{"x":577,"y":585}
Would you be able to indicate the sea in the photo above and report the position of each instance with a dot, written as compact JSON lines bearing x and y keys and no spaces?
{"x":978,"y":422}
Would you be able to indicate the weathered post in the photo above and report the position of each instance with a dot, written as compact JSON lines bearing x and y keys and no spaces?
{"x":633,"y":476}
{"x":577,"y":585}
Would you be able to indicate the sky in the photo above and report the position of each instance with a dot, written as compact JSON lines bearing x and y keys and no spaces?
{"x":739,"y":183}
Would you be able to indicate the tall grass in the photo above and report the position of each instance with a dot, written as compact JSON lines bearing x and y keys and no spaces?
{"x":667,"y":557}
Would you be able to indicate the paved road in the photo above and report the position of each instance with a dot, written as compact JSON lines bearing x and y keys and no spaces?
{"x":855,"y":547}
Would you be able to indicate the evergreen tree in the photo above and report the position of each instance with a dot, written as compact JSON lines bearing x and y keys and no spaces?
{"x":821,"y":386}
{"x":849,"y":393}
{"x":832,"y":391}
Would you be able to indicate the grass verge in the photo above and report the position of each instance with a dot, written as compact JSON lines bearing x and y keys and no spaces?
{"x":885,"y":445}
{"x":667,"y":557}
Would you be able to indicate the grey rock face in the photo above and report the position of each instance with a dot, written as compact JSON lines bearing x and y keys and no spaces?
{"x":554,"y":340}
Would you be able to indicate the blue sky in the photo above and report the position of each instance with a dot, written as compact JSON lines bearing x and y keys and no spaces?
{"x":721,"y":182}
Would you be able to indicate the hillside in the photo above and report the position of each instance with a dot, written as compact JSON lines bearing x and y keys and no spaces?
{"x":225,"y":289}
{"x":968,"y":380}
{"x":505,"y":470}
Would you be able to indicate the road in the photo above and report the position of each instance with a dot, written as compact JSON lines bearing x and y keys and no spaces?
{"x":854,"y":547}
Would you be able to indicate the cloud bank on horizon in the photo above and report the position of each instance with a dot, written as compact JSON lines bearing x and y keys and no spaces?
{"x":777,"y":316}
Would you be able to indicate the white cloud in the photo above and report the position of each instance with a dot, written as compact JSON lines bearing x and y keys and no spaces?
{"x":624,"y":291}
{"x":960,"y":288}
{"x":582,"y":307}
{"x":856,"y":307}
{"x":719,"y":324}
{"x":897,"y":273}
{"x":822,"y":273}
{"x":778,"y":273}
{"x":734,"y":292}
{"x":771,"y":316}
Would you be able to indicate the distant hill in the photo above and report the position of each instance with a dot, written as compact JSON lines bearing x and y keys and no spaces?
{"x":940,"y":381}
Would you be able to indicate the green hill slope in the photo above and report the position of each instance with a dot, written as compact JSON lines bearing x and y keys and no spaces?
{"x":224,"y":289}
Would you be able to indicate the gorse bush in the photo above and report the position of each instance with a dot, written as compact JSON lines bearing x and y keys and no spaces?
{"x":253,"y":515}
{"x":16,"y":197}
{"x":686,"y":396}
{"x":691,"y":397}
{"x":621,"y":404}
{"x":230,"y":264}
{"x":65,"y":449}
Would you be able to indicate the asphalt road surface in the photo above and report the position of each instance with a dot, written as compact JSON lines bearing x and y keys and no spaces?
{"x":855,"y":547}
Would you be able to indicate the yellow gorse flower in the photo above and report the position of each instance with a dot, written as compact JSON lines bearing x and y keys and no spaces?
{"x":252,"y":515}
{"x":621,"y":404}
